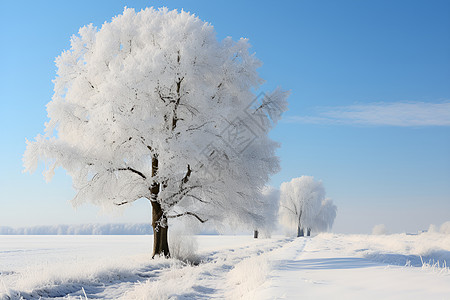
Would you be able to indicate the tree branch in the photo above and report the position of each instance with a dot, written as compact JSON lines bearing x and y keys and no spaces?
{"x":294,"y":212}
{"x":175,"y":108}
{"x":190,"y":214}
{"x":122,"y":203}
{"x":190,"y":108}
{"x":132,"y":170}
{"x":183,"y":191}
{"x":188,"y":174}
{"x":218,"y":88}
{"x":197,"y":198}
{"x":198,"y":127}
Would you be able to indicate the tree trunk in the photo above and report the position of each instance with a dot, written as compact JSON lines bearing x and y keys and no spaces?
{"x":255,"y":234}
{"x":300,"y":231}
{"x":160,"y":230}
{"x":159,"y":220}
{"x":308,"y":232}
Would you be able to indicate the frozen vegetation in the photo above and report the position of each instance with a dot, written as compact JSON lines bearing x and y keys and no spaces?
{"x":325,"y":266}
{"x":152,"y":106}
{"x":303,"y":206}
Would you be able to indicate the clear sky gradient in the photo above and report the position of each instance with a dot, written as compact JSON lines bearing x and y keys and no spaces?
{"x":369,"y":112}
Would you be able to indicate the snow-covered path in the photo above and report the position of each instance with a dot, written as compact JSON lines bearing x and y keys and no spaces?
{"x":233,"y":267}
{"x":326,"y":267}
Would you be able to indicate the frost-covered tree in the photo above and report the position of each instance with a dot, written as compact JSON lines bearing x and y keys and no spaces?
{"x":151,"y":105}
{"x":270,"y":197}
{"x":325,"y":218}
{"x":303,"y":205}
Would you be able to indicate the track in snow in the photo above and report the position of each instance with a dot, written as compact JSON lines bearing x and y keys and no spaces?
{"x":157,"y":279}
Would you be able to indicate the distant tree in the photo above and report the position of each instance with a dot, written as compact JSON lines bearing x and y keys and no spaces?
{"x":153,"y":106}
{"x":379,"y":229}
{"x":270,"y":198}
{"x":303,"y":206}
{"x":325,"y":218}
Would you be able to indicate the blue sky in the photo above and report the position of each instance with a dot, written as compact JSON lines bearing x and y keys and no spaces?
{"x":369,"y":111}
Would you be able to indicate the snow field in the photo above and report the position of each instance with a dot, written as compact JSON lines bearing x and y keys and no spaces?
{"x":54,"y":266}
{"x":331,"y":266}
{"x":326,"y":266}
{"x":112,"y":267}
{"x":397,"y":249}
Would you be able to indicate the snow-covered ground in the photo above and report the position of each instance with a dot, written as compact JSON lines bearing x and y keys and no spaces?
{"x":328,"y":266}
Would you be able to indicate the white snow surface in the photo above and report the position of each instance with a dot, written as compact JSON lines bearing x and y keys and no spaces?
{"x":327,"y":266}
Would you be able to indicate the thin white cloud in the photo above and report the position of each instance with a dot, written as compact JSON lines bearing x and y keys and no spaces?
{"x":381,"y":114}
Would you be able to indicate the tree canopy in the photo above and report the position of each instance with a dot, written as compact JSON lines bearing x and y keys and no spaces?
{"x":303,"y":205}
{"x":151,"y":105}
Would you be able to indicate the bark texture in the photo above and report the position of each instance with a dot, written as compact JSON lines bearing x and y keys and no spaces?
{"x":159,"y":220}
{"x":160,"y":230}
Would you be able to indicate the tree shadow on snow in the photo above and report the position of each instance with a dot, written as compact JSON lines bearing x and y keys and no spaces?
{"x":328,"y":264}
{"x":432,"y":257}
